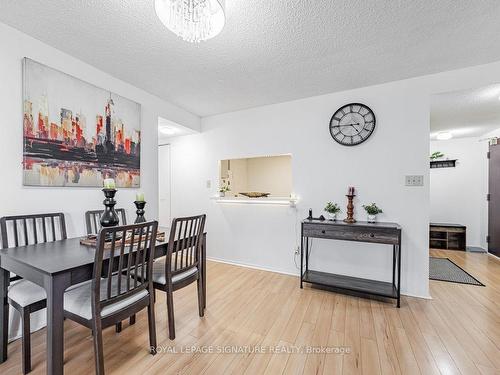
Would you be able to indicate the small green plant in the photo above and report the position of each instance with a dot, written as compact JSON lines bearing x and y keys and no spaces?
{"x":436,"y":155}
{"x":372,"y":209}
{"x":332,"y":208}
{"x":224,"y":189}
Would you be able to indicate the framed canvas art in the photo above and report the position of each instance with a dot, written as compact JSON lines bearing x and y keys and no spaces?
{"x":77,"y":134}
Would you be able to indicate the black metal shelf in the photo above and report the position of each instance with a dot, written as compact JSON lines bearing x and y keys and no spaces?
{"x":444,"y":163}
{"x":355,"y":284}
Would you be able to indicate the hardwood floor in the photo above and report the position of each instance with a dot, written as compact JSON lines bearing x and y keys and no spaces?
{"x":458,"y":332}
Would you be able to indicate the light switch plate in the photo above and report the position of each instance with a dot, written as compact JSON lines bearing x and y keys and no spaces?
{"x":414,"y":180}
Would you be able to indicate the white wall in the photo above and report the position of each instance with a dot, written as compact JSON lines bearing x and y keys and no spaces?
{"x":458,"y":195}
{"x":16,"y":199}
{"x":270,"y":174}
{"x":265,"y":236}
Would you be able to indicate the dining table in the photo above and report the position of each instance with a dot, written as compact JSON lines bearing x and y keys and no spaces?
{"x":55,"y":266}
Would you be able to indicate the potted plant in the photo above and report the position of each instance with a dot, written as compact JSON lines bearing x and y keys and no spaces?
{"x":332,"y":209}
{"x":436,"y":155}
{"x":372,"y":211}
{"x":223,"y":190}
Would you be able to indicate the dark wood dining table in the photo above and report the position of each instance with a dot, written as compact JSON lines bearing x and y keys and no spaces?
{"x":55,"y":266}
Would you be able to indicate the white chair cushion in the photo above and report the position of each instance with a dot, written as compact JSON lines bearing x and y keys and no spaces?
{"x":24,"y":293}
{"x":78,"y":300}
{"x":159,"y":273}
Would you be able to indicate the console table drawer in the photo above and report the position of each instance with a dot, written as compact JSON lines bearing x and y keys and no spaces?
{"x":376,"y":235}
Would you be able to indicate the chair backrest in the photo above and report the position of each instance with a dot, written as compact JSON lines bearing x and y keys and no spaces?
{"x":128,"y":249}
{"x":22,"y":230}
{"x":25,"y":230}
{"x":93,"y":219}
{"x":184,"y":244}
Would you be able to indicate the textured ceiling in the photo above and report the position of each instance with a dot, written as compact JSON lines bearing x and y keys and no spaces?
{"x":270,"y":51}
{"x":468,"y":113}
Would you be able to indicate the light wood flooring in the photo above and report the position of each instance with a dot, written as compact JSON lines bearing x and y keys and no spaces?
{"x":457,"y":332}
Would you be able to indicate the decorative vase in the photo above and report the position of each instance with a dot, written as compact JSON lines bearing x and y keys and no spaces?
{"x":371,"y":218}
{"x":140,"y":212}
{"x":332,"y":217}
{"x":350,"y":208}
{"x":109,"y":217}
{"x":222,"y":194}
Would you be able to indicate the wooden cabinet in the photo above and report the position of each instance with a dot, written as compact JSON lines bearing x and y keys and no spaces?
{"x":447,"y":236}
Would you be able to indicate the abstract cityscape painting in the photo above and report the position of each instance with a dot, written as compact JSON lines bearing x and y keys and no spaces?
{"x":76,"y":134}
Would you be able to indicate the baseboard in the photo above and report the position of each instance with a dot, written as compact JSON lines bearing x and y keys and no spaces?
{"x":493,"y":255}
{"x":475,"y":249}
{"x":260,"y":268}
{"x":253,"y":266}
{"x":416,"y":295}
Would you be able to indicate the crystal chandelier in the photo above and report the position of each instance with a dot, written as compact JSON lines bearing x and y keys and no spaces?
{"x":192,"y":20}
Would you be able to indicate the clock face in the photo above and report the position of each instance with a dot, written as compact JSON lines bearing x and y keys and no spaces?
{"x":352,"y":124}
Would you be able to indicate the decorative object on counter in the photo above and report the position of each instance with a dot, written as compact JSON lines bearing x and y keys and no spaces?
{"x":332,"y":209}
{"x":223,"y":190}
{"x":109,"y":183}
{"x":310,"y":214}
{"x":350,"y":207}
{"x":109,"y":217}
{"x":436,"y":155}
{"x":350,"y":190}
{"x":255,"y":194}
{"x":321,"y":217}
{"x":372,"y":211}
{"x":91,"y":240}
{"x":140,"y":211}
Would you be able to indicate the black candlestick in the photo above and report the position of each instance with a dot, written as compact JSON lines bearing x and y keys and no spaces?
{"x":109,"y":218}
{"x":140,"y":212}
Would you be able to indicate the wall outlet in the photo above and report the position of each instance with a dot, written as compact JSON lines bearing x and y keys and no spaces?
{"x":416,"y":180}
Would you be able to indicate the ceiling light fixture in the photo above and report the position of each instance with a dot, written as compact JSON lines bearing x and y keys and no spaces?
{"x":192,"y":20}
{"x":168,"y":130}
{"x":444,"y":136}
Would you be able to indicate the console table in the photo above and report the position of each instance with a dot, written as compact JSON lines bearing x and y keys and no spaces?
{"x":382,"y":233}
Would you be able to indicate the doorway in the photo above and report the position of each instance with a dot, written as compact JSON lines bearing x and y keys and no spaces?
{"x":164,"y":185}
{"x":464,"y":126}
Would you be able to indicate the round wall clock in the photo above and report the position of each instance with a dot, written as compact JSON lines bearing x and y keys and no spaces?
{"x":352,"y":124}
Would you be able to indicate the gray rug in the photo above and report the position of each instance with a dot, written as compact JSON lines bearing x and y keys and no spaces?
{"x":443,"y":269}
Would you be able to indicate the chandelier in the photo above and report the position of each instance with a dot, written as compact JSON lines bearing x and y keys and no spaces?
{"x":192,"y":20}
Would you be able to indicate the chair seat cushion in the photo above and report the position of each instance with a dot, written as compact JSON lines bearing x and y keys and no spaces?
{"x":78,"y":300}
{"x":25,"y":293}
{"x":159,"y":273}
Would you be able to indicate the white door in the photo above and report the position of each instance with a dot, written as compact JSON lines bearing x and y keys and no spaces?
{"x":164,"y":185}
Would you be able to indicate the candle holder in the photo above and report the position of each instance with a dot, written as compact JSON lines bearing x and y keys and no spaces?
{"x":109,"y":217}
{"x":350,"y":209}
{"x":140,"y":212}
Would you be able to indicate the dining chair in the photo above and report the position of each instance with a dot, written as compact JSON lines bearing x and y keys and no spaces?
{"x":93,"y":219}
{"x":121,"y":285}
{"x":182,"y":264}
{"x":93,"y":224}
{"x":23,"y":295}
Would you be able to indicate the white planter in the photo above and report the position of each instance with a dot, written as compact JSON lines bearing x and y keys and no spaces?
{"x":371,"y":218}
{"x":332,"y":217}
{"x":222,"y":194}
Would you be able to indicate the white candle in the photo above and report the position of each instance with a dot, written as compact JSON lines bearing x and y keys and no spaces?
{"x":109,"y":183}
{"x":139,"y":197}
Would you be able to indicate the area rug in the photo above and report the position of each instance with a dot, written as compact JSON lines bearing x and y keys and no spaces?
{"x":443,"y":269}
